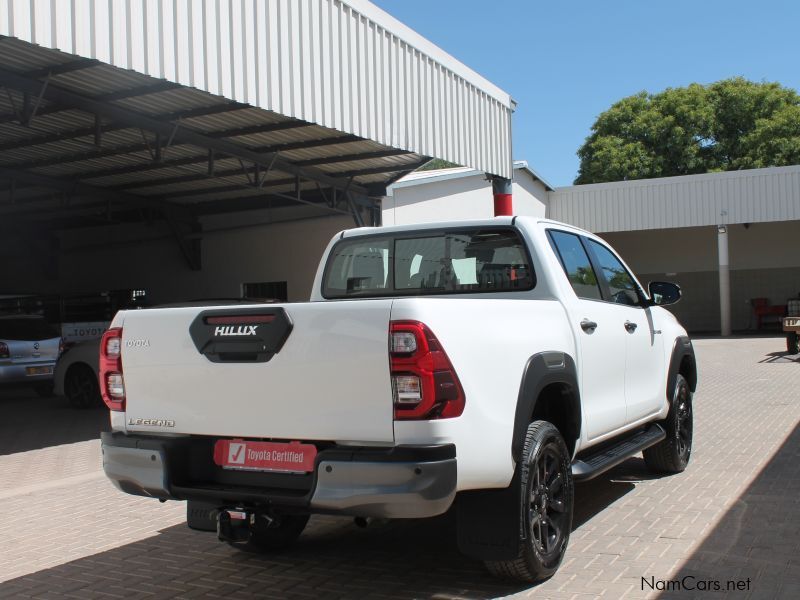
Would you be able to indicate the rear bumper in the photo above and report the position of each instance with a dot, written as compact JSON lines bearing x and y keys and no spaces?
{"x":397,"y":482}
{"x":18,"y":373}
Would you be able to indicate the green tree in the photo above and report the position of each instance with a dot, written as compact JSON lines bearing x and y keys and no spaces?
{"x":724,"y":126}
{"x":437,"y":163}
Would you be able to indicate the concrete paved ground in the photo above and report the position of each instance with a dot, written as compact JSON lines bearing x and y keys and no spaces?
{"x":733,"y":515}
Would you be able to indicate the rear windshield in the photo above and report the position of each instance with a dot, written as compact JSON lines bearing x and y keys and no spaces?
{"x":26,"y":329}
{"x":433,"y":262}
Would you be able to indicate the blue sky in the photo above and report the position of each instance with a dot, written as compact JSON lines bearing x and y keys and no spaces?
{"x":566,"y":61}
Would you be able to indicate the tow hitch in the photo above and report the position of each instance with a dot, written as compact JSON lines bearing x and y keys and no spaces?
{"x":236,"y":526}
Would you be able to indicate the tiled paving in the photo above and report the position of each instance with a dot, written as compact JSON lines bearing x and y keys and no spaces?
{"x":733,"y":515}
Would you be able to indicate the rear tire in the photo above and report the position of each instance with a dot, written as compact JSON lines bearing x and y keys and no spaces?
{"x":547,"y":497}
{"x":81,"y":387}
{"x":792,"y":343}
{"x":264,"y":539}
{"x":672,"y":454}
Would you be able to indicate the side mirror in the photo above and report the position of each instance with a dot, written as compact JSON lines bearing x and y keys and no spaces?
{"x":663,"y":293}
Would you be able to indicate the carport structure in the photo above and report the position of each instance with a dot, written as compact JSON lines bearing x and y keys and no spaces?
{"x":118,"y":112}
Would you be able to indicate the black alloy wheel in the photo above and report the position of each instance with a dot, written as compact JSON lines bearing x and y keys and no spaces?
{"x":81,"y":387}
{"x":672,"y":454}
{"x":548,"y":503}
{"x":547,"y":496}
{"x":685,"y":423}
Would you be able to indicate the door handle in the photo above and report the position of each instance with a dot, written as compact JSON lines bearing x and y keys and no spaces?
{"x":630,"y":326}
{"x":588,"y":326}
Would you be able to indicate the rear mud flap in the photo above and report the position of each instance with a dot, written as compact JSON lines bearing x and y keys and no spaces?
{"x":490,"y":522}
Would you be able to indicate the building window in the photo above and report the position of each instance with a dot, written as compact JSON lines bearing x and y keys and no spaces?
{"x":266,"y":290}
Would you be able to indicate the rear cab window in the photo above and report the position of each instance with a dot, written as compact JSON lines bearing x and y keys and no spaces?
{"x":457,"y":261}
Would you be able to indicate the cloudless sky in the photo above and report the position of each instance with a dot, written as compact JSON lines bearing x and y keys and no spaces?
{"x":566,"y":61}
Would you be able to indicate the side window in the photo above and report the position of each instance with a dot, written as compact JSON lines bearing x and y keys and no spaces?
{"x":576,"y":264}
{"x":620,"y":282}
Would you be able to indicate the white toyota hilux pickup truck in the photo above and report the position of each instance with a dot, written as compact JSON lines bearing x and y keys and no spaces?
{"x":480,"y":365}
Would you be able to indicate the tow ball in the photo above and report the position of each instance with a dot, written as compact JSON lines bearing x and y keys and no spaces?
{"x":236,"y":525}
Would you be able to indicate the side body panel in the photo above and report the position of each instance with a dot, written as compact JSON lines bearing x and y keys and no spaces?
{"x":489,"y":342}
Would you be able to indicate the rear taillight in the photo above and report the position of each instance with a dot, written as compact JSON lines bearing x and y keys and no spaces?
{"x":4,"y":353}
{"x":424,"y":383}
{"x":112,"y":382}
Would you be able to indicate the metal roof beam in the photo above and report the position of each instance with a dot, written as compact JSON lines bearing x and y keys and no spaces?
{"x":199,"y":177}
{"x":72,"y":134}
{"x":79,"y":188}
{"x":203,"y":158}
{"x":233,"y":187}
{"x":374,"y":171}
{"x":224,"y":189}
{"x":111,"y":96}
{"x":239,"y":171}
{"x":126,"y":149}
{"x":141,"y":90}
{"x":260,"y":202}
{"x":170,"y":130}
{"x":262,"y":128}
{"x":328,"y":160}
{"x":67,"y":67}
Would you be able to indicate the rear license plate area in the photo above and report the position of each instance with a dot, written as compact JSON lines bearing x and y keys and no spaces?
{"x":280,"y":457}
{"x":38,"y":370}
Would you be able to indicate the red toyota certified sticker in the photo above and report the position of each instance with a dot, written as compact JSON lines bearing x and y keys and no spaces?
{"x":265,"y":456}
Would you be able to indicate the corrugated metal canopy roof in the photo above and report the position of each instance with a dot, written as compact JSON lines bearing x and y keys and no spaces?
{"x":116,"y":106}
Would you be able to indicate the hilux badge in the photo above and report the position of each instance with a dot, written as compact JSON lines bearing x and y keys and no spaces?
{"x":236,"y":330}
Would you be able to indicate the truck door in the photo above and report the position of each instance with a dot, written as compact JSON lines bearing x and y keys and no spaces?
{"x":601,"y":345}
{"x":645,"y":375}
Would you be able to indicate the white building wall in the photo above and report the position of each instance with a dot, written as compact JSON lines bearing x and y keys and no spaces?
{"x":460,"y":198}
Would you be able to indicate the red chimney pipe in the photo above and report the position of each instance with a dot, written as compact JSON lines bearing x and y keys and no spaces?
{"x":501,"y":188}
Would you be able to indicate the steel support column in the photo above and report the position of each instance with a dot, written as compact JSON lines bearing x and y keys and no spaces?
{"x":724,"y":281}
{"x":502,"y":190}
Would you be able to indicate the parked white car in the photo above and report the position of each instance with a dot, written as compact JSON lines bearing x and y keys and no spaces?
{"x":76,"y":375}
{"x":496,"y":360}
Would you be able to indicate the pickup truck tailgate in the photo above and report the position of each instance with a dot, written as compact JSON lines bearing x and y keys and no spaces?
{"x":328,"y":380}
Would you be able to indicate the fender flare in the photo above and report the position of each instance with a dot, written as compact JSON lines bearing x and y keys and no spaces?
{"x":682,"y":351}
{"x":541,"y":370}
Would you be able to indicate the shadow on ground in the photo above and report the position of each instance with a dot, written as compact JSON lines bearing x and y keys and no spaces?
{"x":780,"y":357}
{"x":333,"y":559}
{"x":743,"y":545}
{"x":28,"y":422}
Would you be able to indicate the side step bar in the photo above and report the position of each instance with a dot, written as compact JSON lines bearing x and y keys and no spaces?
{"x":592,"y":465}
